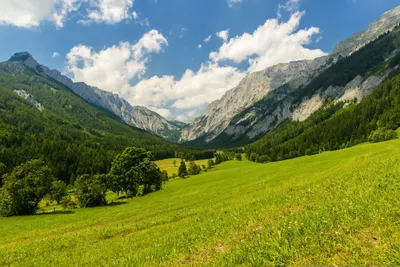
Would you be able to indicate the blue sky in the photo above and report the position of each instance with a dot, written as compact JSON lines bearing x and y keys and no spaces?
{"x":154,"y":53}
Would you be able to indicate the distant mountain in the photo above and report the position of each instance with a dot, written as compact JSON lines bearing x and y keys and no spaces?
{"x":41,"y":118}
{"x":139,"y":117}
{"x":264,"y":99}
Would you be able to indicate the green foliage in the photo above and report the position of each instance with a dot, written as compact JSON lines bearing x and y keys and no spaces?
{"x":3,"y":170}
{"x":338,"y":208}
{"x":182,"y":171}
{"x":164,"y":176}
{"x":24,"y":188}
{"x":333,"y":128}
{"x":91,"y":191}
{"x":381,"y":135}
{"x":194,"y":169}
{"x":238,"y":156}
{"x":58,"y":190}
{"x":71,"y":135}
{"x":133,"y":168}
{"x":67,"y":203}
{"x":210,"y":163}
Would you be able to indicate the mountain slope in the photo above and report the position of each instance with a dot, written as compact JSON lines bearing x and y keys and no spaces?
{"x":256,"y":105}
{"x":132,"y":115}
{"x":42,"y":118}
{"x":329,"y":129}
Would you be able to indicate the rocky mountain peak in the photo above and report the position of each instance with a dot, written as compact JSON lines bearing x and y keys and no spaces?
{"x":26,"y":58}
{"x":387,"y":22}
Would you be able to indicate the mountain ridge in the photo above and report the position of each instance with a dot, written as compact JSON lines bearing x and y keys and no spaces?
{"x":227,"y":126}
{"x":132,"y":115}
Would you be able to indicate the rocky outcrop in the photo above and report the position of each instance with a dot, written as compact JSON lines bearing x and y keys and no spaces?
{"x":139,"y":117}
{"x":251,"y":89}
{"x":385,"y":23}
{"x":241,"y":114}
{"x":30,"y":98}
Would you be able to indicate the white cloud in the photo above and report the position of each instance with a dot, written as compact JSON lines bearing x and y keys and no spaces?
{"x":32,"y":13}
{"x":143,"y":21}
{"x":232,"y":2}
{"x":270,"y":44}
{"x":112,"y":69}
{"x":55,"y":54}
{"x":199,"y":46}
{"x":192,"y":90}
{"x":162,"y":111}
{"x":151,"y":42}
{"x":223,"y":35}
{"x":207,"y":39}
{"x":108,"y":11}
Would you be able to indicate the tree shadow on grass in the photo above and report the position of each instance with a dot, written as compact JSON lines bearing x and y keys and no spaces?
{"x":118,"y":203}
{"x":56,"y":212}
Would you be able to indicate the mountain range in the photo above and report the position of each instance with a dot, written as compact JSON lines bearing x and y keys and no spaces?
{"x":260,"y":102}
{"x":264,"y":99}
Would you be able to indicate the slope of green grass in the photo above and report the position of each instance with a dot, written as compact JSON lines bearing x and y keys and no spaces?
{"x":335,"y":208}
{"x":168,"y":165}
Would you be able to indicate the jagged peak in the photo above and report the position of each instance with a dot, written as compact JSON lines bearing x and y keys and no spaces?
{"x":21,"y":56}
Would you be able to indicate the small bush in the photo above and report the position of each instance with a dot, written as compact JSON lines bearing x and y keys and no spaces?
{"x":382,"y":135}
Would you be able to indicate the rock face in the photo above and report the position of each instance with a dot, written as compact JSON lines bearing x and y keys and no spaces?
{"x":139,"y":117}
{"x":251,"y":89}
{"x":234,"y":116}
{"x":30,"y":98}
{"x":385,"y":23}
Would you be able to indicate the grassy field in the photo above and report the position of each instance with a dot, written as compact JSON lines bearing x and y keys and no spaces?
{"x":168,"y":165}
{"x":336,"y":208}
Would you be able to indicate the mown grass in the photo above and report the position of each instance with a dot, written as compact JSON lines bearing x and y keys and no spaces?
{"x":168,"y":165}
{"x":336,"y":208}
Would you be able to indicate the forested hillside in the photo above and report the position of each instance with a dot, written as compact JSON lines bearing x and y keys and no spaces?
{"x":333,"y":128}
{"x":69,"y":134}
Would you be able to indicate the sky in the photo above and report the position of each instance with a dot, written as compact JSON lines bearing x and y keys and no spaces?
{"x":176,"y":56}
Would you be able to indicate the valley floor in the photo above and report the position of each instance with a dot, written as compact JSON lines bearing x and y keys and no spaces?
{"x":336,"y":208}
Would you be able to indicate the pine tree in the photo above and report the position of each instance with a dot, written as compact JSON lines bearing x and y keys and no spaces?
{"x":182,"y":171}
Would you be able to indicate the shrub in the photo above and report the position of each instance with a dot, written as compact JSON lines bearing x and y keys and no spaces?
{"x":238,"y":156}
{"x":381,"y":135}
{"x":90,"y":191}
{"x":24,"y":188}
{"x":58,"y":190}
{"x":182,"y":171}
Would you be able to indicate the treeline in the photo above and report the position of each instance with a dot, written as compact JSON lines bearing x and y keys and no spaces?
{"x":374,"y":119}
{"x":133,"y":173}
{"x":70,"y":135}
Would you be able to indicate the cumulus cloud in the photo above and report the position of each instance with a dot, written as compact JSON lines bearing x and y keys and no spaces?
{"x":223,"y":35}
{"x":55,"y":54}
{"x":112,"y":68}
{"x":191,"y":91}
{"x":270,"y":44}
{"x":32,"y":13}
{"x":199,"y":46}
{"x":108,"y":11}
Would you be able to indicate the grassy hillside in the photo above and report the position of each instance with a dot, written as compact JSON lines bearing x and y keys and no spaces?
{"x":335,"y":208}
{"x":168,"y":164}
{"x":71,"y":135}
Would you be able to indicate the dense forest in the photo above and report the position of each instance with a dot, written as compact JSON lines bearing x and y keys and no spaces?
{"x":69,"y":134}
{"x":332,"y":127}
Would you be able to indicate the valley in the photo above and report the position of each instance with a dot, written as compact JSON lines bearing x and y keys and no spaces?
{"x":335,"y":208}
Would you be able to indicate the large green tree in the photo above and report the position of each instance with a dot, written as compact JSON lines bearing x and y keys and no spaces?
{"x":91,"y":190}
{"x":133,"y":168}
{"x":24,"y":188}
{"x":182,"y":171}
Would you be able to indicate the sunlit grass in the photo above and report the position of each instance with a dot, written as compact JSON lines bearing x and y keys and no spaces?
{"x":336,"y":208}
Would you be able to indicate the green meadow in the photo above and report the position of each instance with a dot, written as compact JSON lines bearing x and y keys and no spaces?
{"x":168,"y":165}
{"x":335,"y":208}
